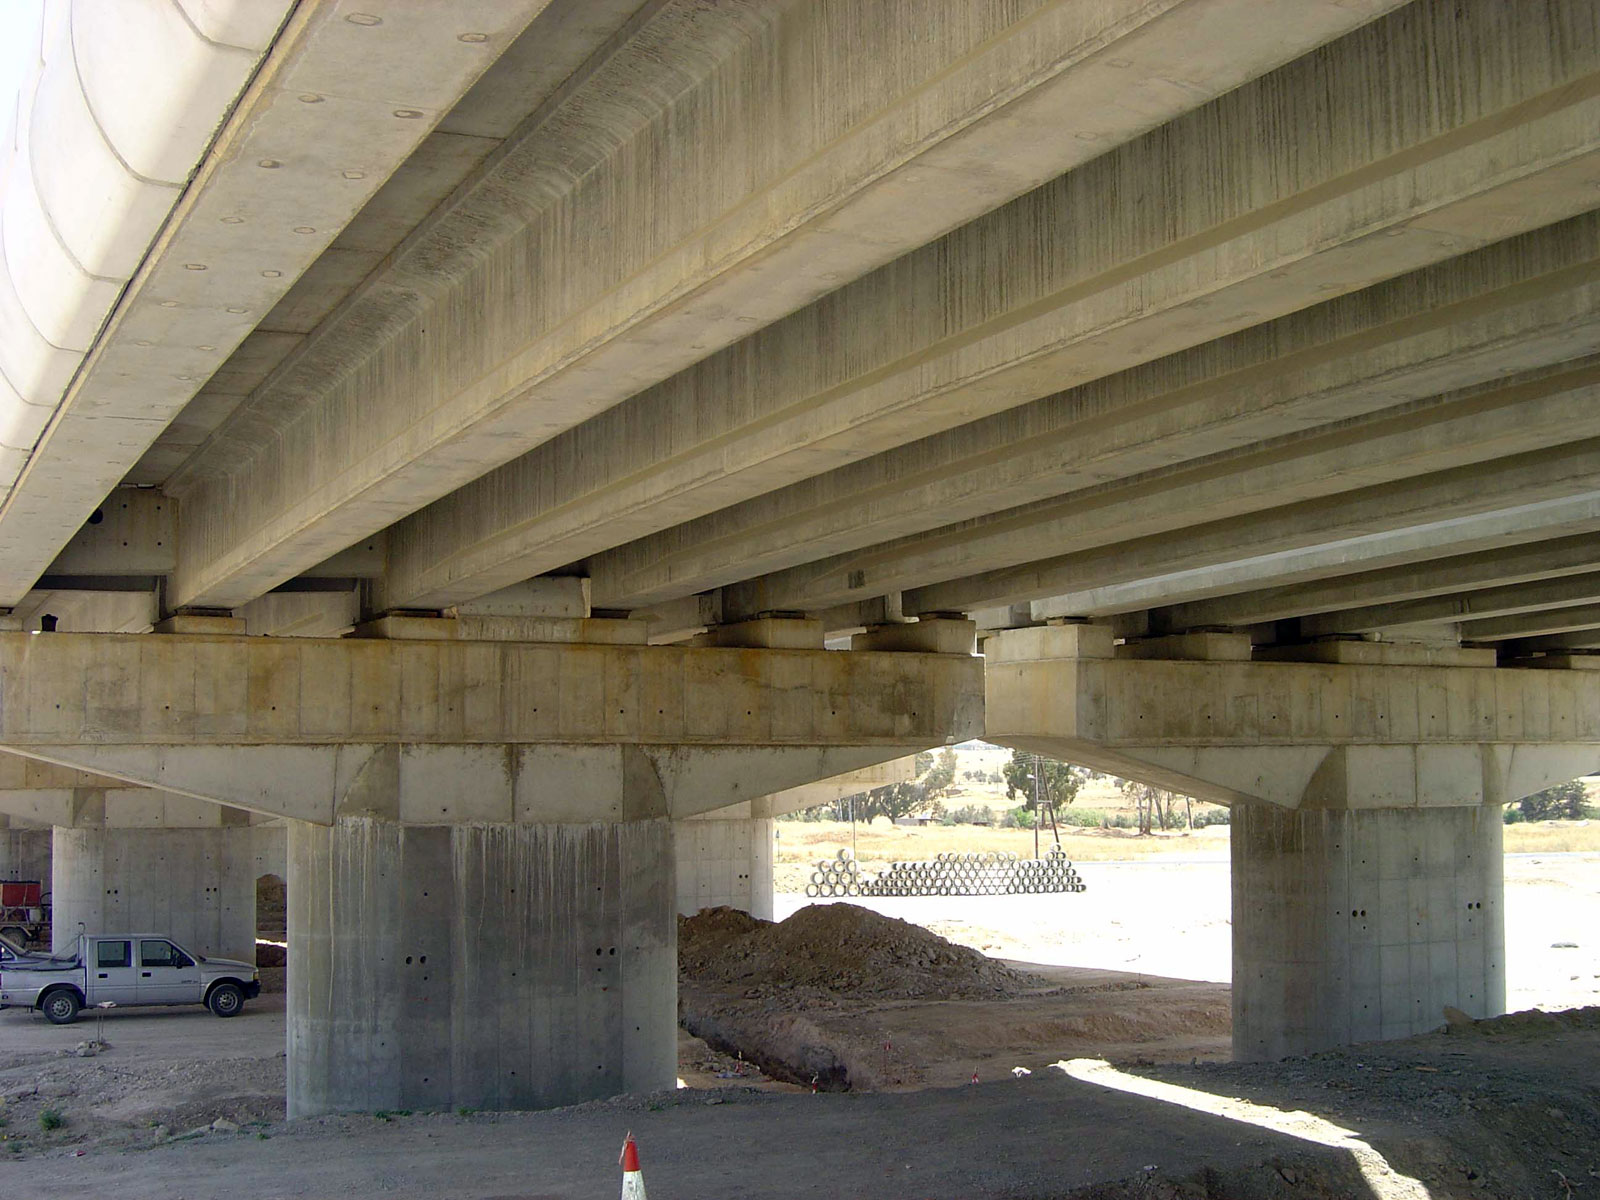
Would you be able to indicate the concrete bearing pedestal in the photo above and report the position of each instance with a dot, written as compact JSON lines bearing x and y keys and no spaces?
{"x":490,"y":965}
{"x":1351,"y":926}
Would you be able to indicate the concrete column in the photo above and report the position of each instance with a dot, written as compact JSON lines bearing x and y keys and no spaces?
{"x":24,"y":852}
{"x":723,"y":861}
{"x":196,"y":885}
{"x":1351,"y":926}
{"x":487,"y":965}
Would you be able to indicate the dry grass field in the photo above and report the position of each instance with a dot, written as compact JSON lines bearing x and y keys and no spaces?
{"x":802,"y":843}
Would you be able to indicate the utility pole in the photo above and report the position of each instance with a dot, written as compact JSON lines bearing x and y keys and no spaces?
{"x":1038,"y":766}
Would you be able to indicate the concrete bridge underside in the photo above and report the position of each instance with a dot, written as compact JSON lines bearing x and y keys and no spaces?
{"x":452,"y":434}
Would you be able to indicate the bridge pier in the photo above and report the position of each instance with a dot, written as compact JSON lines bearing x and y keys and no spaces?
{"x":195,"y":882}
{"x":24,"y":851}
{"x":725,"y":862}
{"x":471,"y":820}
{"x":725,"y":857}
{"x":1366,"y":781}
{"x":485,"y":966}
{"x":1357,"y":926}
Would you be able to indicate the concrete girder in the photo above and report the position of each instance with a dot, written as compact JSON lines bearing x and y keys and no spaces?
{"x":1506,"y":487}
{"x":1076,"y":301}
{"x":303,"y":613}
{"x":1569,"y":619}
{"x":810,"y":193}
{"x":1525,"y":597}
{"x":1305,"y":473}
{"x":1556,"y":647}
{"x":1402,"y":549}
{"x":278,"y":180}
{"x":1553,"y":559}
{"x":1521,"y":304}
{"x":83,"y":607}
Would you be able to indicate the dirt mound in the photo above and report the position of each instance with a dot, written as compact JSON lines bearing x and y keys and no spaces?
{"x":840,"y":949}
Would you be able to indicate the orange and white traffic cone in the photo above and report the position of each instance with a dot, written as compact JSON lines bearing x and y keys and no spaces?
{"x":632,"y":1177}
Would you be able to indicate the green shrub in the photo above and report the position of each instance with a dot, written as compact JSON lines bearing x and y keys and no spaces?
{"x":51,"y":1119}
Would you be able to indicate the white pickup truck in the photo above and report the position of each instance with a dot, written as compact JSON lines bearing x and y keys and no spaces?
{"x":125,"y":969}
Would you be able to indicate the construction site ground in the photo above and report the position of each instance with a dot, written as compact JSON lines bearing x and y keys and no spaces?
{"x":184,"y":1105}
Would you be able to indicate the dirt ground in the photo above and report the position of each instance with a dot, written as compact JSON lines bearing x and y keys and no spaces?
{"x":1509,"y":1109}
{"x":837,"y":998}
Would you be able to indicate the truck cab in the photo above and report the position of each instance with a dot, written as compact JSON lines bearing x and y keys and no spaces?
{"x":126,"y":969}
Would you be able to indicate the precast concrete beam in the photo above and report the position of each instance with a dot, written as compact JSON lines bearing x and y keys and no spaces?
{"x":1555,"y":558}
{"x":1566,"y":619}
{"x":1009,"y":307}
{"x":1524,"y":527}
{"x":119,"y":296}
{"x":839,"y":166}
{"x":1310,"y":473}
{"x":1563,"y":592}
{"x":1521,"y":304}
{"x":1511,"y":488}
{"x":1556,"y":645}
{"x":113,"y":116}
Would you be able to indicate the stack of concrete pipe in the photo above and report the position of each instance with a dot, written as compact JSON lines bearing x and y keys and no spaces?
{"x":993,"y":874}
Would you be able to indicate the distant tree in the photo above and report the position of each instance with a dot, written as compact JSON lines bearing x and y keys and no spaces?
{"x":1020,"y":817}
{"x":1156,"y":805}
{"x":936,"y":781}
{"x":894,"y":800}
{"x":1565,"y":801}
{"x":1058,"y":781}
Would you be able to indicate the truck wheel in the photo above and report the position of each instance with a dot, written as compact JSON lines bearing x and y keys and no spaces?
{"x":225,"y":1000}
{"x":15,"y":933}
{"x":60,"y":1007}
